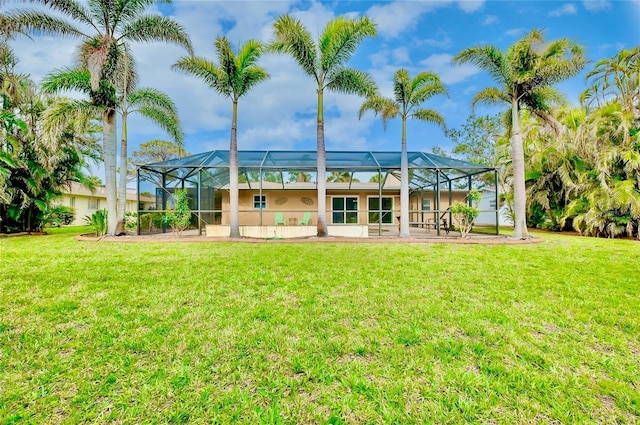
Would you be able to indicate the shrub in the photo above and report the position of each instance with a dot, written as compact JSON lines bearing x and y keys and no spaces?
{"x":98,"y":220}
{"x":180,"y":217}
{"x":464,"y":215}
{"x":58,"y":216}
{"x":130,"y":220}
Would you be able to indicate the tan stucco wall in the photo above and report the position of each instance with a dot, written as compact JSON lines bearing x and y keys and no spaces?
{"x":294,"y":208}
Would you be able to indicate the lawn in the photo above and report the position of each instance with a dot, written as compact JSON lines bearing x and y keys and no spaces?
{"x":99,"y":332}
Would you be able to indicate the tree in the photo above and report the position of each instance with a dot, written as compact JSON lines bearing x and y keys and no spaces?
{"x":154,"y":151}
{"x":325,"y":63}
{"x":341,"y":177}
{"x":409,"y":95}
{"x":103,"y":55}
{"x":233,"y":77}
{"x":526,"y":73}
{"x":156,"y":106}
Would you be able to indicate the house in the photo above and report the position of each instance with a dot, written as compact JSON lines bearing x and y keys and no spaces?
{"x":86,"y":202}
{"x":363,"y":199}
{"x":487,"y":207}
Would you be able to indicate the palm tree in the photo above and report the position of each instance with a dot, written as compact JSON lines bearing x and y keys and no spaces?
{"x":617,"y":78}
{"x":102,"y":53}
{"x":233,"y":77}
{"x":156,"y":106}
{"x":325,"y":62}
{"x":409,"y":95}
{"x":525,"y":73}
{"x":340,"y":177}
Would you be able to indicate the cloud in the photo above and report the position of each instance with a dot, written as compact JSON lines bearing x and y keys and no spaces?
{"x":440,"y":63}
{"x":596,"y":5}
{"x":470,"y":6}
{"x":567,"y":9}
{"x":515,"y":32}
{"x":401,"y":16}
{"x":441,"y":41}
{"x":490,"y":20}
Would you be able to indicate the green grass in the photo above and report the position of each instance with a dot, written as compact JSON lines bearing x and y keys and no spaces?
{"x":334,"y":333}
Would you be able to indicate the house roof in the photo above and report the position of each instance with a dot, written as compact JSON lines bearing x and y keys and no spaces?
{"x":428,"y":168}
{"x":76,"y":189}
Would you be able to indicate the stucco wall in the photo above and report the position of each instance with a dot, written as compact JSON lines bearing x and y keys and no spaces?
{"x":292,"y":204}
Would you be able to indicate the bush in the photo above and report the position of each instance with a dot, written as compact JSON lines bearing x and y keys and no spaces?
{"x":58,"y":216}
{"x":98,"y":220}
{"x":180,"y":217}
{"x":130,"y":220}
{"x":464,"y":215}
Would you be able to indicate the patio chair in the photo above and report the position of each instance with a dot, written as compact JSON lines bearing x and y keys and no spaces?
{"x":279,"y":218}
{"x":306,"y":218}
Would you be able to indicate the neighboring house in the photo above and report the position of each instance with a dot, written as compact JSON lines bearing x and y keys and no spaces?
{"x":487,"y":207}
{"x":86,"y":202}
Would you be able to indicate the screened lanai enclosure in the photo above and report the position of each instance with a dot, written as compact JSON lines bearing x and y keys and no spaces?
{"x":278,"y":192}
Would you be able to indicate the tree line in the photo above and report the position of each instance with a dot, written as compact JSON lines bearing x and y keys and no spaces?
{"x":560,"y":167}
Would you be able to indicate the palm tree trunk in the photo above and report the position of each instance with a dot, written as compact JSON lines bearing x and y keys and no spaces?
{"x":322,"y":171}
{"x":519,"y":191}
{"x":122,"y":187}
{"x":110,"y":142}
{"x":404,"y":184}
{"x":233,"y":175}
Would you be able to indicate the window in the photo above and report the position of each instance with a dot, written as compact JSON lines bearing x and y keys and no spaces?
{"x":426,"y":205}
{"x":260,"y":201}
{"x":94,"y":204}
{"x":72,"y":202}
{"x":492,"y":204}
{"x":387,"y":210}
{"x":344,"y":210}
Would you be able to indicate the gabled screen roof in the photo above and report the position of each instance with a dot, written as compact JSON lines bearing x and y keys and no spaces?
{"x":428,"y":169}
{"x":338,"y":160}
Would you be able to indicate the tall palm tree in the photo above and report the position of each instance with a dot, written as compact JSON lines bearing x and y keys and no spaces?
{"x":410,"y":94}
{"x":325,"y":62}
{"x":154,"y":105}
{"x":233,"y":76}
{"x":113,"y":25}
{"x":525,"y":73}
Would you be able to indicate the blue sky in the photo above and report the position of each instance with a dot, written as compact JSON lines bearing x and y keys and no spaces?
{"x":417,"y":35}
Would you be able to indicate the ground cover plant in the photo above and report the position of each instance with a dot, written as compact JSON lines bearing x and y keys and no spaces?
{"x":99,"y":332}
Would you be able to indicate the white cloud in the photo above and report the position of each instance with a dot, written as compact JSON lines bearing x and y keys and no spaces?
{"x":441,"y":41}
{"x":401,"y":16}
{"x":490,"y":20}
{"x":515,"y":32}
{"x":567,"y":9}
{"x":596,"y":5}
{"x":449,"y":74}
{"x":470,"y":6}
{"x":401,"y":55}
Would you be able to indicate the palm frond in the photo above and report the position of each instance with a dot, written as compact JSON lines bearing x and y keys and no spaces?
{"x":151,"y":97}
{"x":385,"y":107}
{"x":429,"y":115}
{"x":293,"y":38}
{"x":71,"y":8}
{"x":250,"y":77}
{"x":491,"y":96}
{"x":351,"y":81}
{"x":205,"y":70}
{"x":67,"y":79}
{"x":165,"y":120}
{"x":488,"y":58}
{"x":42,"y":23}
{"x":340,"y":39}
{"x":149,"y":28}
